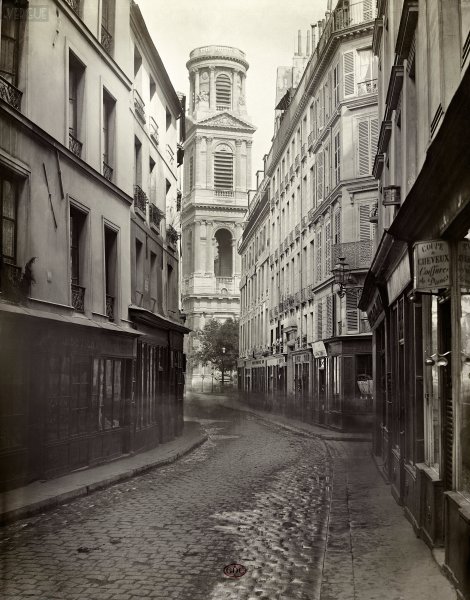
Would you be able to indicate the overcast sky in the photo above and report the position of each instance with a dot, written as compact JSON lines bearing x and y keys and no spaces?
{"x":266,"y":30}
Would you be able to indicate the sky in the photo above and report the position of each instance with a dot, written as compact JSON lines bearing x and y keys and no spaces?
{"x":266,"y":30}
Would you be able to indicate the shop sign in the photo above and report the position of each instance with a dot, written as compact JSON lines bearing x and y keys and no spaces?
{"x":301,"y":358}
{"x":375,"y":310}
{"x":432,"y":265}
{"x":399,"y":279}
{"x":464,"y":264}
{"x":318,"y":349}
{"x":257,"y":363}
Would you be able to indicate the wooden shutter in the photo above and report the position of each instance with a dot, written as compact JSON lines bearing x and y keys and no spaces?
{"x":319,"y":177}
{"x":352,"y":317}
{"x":319,"y":245}
{"x":329,"y":316}
{"x":337,"y":159}
{"x":327,"y":249}
{"x":363,"y":154}
{"x":349,"y":76}
{"x":365,"y":229}
{"x":337,"y":228}
{"x":320,"y":319}
{"x":367,"y":14}
{"x":374,"y":138}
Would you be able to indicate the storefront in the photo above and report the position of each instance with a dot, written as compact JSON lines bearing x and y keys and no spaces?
{"x":303,"y":398}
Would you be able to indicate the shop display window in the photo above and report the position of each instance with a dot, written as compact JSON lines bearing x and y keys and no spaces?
{"x":432,"y":400}
{"x":463,"y":474}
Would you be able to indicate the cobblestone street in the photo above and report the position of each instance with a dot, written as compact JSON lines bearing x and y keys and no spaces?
{"x":254,"y":493}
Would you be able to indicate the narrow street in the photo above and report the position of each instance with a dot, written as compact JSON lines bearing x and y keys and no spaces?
{"x":280,"y":503}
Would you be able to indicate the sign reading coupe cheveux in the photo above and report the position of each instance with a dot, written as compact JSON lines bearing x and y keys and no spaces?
{"x":432,"y":265}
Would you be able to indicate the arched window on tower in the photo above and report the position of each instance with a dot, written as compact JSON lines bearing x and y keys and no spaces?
{"x":223,"y":168}
{"x":223,"y":92}
{"x":223,"y":265}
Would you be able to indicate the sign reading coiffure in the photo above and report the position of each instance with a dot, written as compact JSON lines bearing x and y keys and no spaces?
{"x":432,"y":265}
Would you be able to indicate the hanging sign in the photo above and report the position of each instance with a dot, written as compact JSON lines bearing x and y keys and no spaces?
{"x":431,"y":265}
{"x":318,"y":349}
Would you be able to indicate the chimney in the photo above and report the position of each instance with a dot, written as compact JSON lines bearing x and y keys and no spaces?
{"x":308,"y":43}
{"x":313,"y":37}
{"x":299,"y":44}
{"x":328,"y":6}
{"x":320,"y":27}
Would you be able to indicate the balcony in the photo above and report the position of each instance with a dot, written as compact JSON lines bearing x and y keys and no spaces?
{"x":106,"y":40}
{"x":10,"y":94}
{"x":291,"y":237}
{"x":297,"y":162}
{"x":172,"y":236}
{"x":297,"y":298}
{"x":10,"y":281}
{"x":310,"y":139}
{"x":140,"y":199}
{"x":155,"y":216}
{"x":74,"y":5}
{"x":107,"y":171}
{"x":78,"y":298}
{"x":139,"y":107}
{"x":224,"y":193}
{"x":75,"y":145}
{"x":358,"y":255}
{"x":310,"y":215}
{"x":367,"y":87}
{"x":291,"y":172}
{"x":304,"y":151}
{"x":304,"y":223}
{"x":297,"y":231}
{"x":276,"y":254}
{"x":271,"y":260}
{"x":110,"y":307}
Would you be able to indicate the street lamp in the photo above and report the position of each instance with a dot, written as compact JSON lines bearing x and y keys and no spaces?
{"x":223,"y":365}
{"x":342,"y":275}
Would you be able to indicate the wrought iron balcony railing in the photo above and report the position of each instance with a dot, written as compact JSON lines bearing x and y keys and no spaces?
{"x":10,"y":280}
{"x":74,"y":5}
{"x":291,"y":171}
{"x":155,"y":215}
{"x":140,"y":198}
{"x":107,"y":171}
{"x":106,"y":40}
{"x":297,"y":162}
{"x":297,"y":231}
{"x":367,"y":87}
{"x":75,"y":145}
{"x":139,"y":107}
{"x":10,"y":93}
{"x":110,"y":307}
{"x":358,"y":255}
{"x":304,"y":150}
{"x":78,"y":297}
{"x":310,"y":139}
{"x":154,"y":131}
{"x":172,"y":236}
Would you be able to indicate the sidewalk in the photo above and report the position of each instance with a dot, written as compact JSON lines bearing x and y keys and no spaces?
{"x":40,"y":496}
{"x":324,"y":433}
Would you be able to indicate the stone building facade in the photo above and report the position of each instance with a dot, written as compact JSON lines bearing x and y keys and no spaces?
{"x":217,"y":178}
{"x":69,"y":350}
{"x":299,"y":337}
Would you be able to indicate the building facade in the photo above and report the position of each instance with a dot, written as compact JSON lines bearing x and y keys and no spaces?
{"x":298,"y":335}
{"x":69,"y":349}
{"x":416,"y":292}
{"x":216,"y":183}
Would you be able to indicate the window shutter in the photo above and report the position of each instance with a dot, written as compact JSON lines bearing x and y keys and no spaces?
{"x":313,"y":187}
{"x":320,"y":319}
{"x":337,"y":159}
{"x":349,"y":77}
{"x":223,"y":170}
{"x":365,"y":229}
{"x":319,"y":256}
{"x":319,"y":177}
{"x":367,"y":10}
{"x":374,"y":139}
{"x":329,"y":316}
{"x":337,"y":227}
{"x":363,"y":147}
{"x":327,"y":249}
{"x":352,"y":317}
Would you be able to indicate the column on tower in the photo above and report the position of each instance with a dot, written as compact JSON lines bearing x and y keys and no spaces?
{"x":208,"y":162}
{"x":210,"y":248}
{"x":235,"y":88}
{"x":235,"y":270}
{"x":212,"y":105}
{"x":197,"y":247}
{"x":249,"y":143}
{"x":198,"y":161}
{"x":196,"y":84}
{"x":238,"y":164}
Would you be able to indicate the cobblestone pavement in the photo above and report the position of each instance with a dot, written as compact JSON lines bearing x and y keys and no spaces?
{"x":253,"y":493}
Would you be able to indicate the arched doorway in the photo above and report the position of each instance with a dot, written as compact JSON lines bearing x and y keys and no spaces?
{"x":223,"y":259}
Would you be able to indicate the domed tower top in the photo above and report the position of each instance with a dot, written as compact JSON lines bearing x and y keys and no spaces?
{"x":217,"y":81}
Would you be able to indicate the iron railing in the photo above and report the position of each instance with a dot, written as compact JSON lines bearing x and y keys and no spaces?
{"x":310,"y":139}
{"x":358,"y":255}
{"x":110,"y":307}
{"x":154,"y":131}
{"x":106,"y":40}
{"x":10,"y":93}
{"x":107,"y":171}
{"x":224,"y":193}
{"x":78,"y":297}
{"x":297,"y":162}
{"x":75,"y":145}
{"x":172,"y":235}
{"x":74,"y":5}
{"x":139,"y":107}
{"x":140,"y":198}
{"x":10,"y":279}
{"x":367,"y":87}
{"x":155,"y":215}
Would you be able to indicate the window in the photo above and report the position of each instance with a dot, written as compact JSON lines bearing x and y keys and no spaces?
{"x":349,"y":75}
{"x":327,"y":249}
{"x":109,"y":389}
{"x":170,"y":291}
{"x":336,"y":86}
{"x":320,"y":319}
{"x":366,"y":229}
{"x":137,"y":162}
{"x":365,"y":74}
{"x":223,"y":91}
{"x":110,"y":263}
{"x":8,"y":214}
{"x":76,"y":79}
{"x":367,"y":137}
{"x":319,"y":177}
{"x":139,"y":272}
{"x":77,"y":262}
{"x":107,"y":25}
{"x":10,"y":45}
{"x":337,"y":158}
{"x":223,"y":168}
{"x":109,"y":105}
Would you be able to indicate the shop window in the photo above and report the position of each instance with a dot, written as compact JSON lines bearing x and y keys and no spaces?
{"x":110,"y":261}
{"x":108,"y":390}
{"x":463,"y":478}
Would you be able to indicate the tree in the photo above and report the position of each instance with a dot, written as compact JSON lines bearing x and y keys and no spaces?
{"x":212,"y":339}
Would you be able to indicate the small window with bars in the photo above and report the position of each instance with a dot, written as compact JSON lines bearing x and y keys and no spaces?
{"x":223,"y":168}
{"x":223,"y":91}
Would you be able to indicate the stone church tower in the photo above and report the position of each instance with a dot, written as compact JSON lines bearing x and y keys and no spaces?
{"x":215,"y":198}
